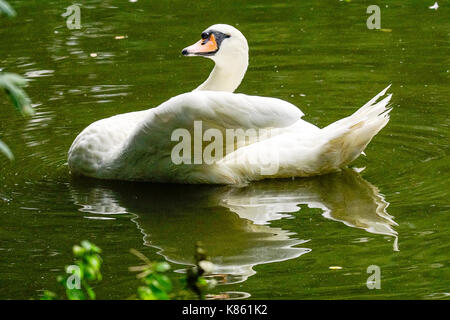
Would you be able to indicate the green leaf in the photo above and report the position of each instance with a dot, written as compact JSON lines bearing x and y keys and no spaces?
{"x":201,"y":282}
{"x":49,"y":295}
{"x":162,"y":267}
{"x":90,"y":273}
{"x":6,"y":151}
{"x":95,"y":249}
{"x":87,"y":245}
{"x":89,"y":291}
{"x":94,"y":261}
{"x":61,"y":279}
{"x":158,"y":293}
{"x":75,"y":294}
{"x":90,"y":247}
{"x":164,"y":282}
{"x":13,"y":83}
{"x":14,"y":78}
{"x":78,"y":251}
{"x":145,"y":293}
{"x":161,"y":295}
{"x":7,"y":9}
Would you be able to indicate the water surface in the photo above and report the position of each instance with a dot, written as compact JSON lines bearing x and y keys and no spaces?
{"x":271,"y":239}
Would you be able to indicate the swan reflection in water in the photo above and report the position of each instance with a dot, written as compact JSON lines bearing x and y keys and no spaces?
{"x":234,"y":223}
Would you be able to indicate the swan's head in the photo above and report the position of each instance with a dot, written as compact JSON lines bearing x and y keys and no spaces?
{"x":222,"y":43}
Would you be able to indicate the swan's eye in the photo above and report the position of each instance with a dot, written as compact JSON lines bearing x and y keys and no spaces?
{"x":205,"y":35}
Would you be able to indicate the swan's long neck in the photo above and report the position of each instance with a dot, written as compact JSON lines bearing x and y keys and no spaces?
{"x":227,"y":75}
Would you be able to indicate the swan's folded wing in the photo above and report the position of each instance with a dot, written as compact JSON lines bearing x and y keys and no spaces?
{"x":213,"y":109}
{"x":148,"y":152}
{"x":228,"y":110}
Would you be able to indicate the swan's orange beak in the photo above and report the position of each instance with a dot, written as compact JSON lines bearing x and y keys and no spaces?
{"x":202,"y":47}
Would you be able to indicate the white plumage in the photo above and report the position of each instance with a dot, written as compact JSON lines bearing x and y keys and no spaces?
{"x":138,"y":145}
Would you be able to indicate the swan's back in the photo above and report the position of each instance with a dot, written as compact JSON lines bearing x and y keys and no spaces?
{"x":138,"y":145}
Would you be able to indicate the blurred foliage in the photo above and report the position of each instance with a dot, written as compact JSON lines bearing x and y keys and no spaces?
{"x":13,"y":84}
{"x":7,"y":9}
{"x":6,"y":151}
{"x":195,"y":280}
{"x":79,"y":276}
{"x":156,"y":285}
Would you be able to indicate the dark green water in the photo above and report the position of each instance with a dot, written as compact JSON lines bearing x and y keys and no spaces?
{"x":274,"y":239}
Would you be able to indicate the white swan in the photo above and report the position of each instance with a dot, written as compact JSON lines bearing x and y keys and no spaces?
{"x":140,"y":146}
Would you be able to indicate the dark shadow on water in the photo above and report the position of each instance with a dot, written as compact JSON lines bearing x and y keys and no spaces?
{"x":234,"y":223}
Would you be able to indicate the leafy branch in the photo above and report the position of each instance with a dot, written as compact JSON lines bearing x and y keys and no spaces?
{"x":79,"y":276}
{"x":13,"y":85}
{"x":156,"y":285}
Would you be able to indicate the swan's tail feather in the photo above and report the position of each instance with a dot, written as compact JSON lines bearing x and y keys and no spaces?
{"x":347,"y":138}
{"x":306,"y":151}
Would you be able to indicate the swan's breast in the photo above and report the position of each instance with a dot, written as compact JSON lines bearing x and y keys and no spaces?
{"x":94,"y":150}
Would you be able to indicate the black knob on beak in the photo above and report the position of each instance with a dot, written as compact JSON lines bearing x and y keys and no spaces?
{"x":184,"y":52}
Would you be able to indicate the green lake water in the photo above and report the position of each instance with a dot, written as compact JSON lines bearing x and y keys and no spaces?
{"x":271,"y":239}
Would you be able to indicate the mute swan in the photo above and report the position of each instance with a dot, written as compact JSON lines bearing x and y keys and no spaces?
{"x":152,"y":145}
